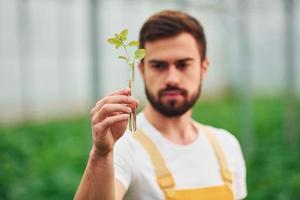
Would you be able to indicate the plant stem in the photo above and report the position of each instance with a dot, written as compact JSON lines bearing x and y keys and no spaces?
{"x":126,"y":52}
{"x":132,"y":116}
{"x":131,"y":72}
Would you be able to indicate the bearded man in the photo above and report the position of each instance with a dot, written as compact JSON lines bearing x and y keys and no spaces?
{"x":170,"y":156}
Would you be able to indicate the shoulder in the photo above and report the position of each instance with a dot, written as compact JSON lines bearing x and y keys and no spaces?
{"x":125,"y":164}
{"x":128,"y":147}
{"x":226,"y":139}
{"x":126,"y":144}
{"x":229,"y":145}
{"x":233,"y":154}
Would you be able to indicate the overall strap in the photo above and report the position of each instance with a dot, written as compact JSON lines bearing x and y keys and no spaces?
{"x":164,"y":177}
{"x":225,"y":171}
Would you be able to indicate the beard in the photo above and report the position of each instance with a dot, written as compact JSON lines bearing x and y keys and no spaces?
{"x":172,"y":108}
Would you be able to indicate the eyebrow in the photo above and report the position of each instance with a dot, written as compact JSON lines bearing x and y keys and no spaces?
{"x":184,"y":60}
{"x":154,"y":61}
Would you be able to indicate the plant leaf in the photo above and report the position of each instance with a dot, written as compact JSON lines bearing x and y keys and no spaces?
{"x":124,"y":58}
{"x":111,"y":40}
{"x":118,"y":45}
{"x":123,"y":34}
{"x":134,"y":43}
{"x":115,"y":41}
{"x":139,"y":54}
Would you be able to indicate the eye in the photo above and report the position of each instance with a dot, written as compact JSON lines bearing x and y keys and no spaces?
{"x":159,"y":65}
{"x":182,"y":65}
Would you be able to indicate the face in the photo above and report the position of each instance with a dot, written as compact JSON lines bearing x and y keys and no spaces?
{"x":172,"y":71}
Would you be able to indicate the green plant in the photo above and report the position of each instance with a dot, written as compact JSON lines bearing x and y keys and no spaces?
{"x":120,"y":40}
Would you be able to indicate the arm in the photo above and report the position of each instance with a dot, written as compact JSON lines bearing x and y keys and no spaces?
{"x":109,"y":117}
{"x":99,"y":171}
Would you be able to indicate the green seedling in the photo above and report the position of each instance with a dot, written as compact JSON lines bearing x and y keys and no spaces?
{"x":120,"y":40}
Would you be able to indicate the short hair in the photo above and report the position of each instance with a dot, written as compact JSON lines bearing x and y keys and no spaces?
{"x":170,"y":23}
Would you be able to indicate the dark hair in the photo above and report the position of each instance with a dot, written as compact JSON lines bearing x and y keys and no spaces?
{"x":170,"y":23}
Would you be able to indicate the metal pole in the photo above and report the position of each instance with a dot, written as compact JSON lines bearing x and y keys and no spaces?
{"x":94,"y":47}
{"x":65,"y":48}
{"x":291,"y":99}
{"x":25,"y":50}
{"x":245,"y":77}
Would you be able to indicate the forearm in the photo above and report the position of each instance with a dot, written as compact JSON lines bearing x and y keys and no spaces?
{"x":98,"y":179}
{"x":109,"y":121}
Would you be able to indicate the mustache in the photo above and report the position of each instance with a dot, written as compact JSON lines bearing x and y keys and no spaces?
{"x":171,"y":88}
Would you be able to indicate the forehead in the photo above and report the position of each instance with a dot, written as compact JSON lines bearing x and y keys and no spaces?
{"x":179,"y":47}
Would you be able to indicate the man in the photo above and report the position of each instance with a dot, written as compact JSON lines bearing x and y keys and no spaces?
{"x":170,"y":156}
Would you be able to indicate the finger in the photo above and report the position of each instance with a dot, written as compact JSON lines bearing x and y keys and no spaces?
{"x":134,"y":105}
{"x":125,"y":91}
{"x":118,"y":99}
{"x":115,"y":99}
{"x":109,"y":110}
{"x":109,"y":121}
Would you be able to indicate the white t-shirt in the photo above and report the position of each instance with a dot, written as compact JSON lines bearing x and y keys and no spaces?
{"x":193,"y":166}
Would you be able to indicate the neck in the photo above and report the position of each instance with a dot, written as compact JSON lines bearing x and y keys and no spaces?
{"x":179,"y":130}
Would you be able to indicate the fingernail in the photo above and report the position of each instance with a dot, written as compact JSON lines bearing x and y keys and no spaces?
{"x":125,"y":116}
{"x":131,"y":98}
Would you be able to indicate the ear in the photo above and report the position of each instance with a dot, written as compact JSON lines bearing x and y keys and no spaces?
{"x":204,"y":68}
{"x":142,"y":69}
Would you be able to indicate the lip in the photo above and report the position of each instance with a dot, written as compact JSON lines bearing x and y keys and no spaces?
{"x":171,"y":93}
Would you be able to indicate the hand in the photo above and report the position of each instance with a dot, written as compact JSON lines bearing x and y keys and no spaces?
{"x":110,"y":118}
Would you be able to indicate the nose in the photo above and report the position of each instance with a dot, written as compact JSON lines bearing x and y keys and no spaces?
{"x":172,"y":77}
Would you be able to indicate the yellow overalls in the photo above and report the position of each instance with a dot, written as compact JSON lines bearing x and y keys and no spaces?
{"x":166,"y":181}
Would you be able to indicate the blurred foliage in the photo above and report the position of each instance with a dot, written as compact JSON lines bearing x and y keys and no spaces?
{"x":43,"y":161}
{"x":273,"y":168}
{"x":46,"y":160}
